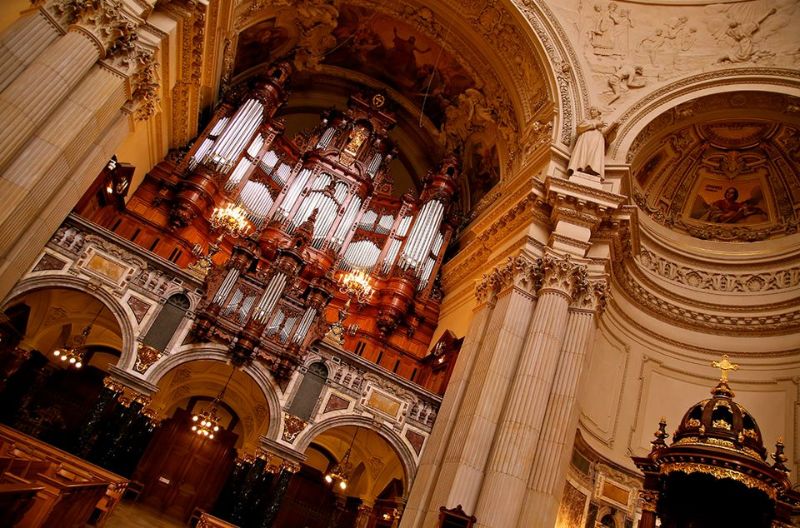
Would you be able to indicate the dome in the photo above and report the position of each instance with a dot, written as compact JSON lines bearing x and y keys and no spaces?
{"x":723,"y":167}
{"x":721,"y":422}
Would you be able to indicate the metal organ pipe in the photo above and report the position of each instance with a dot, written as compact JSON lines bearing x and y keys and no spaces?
{"x":348,"y":220}
{"x":422,"y":233}
{"x":237,"y":174}
{"x":305,"y":324}
{"x":294,"y":191}
{"x":270,"y":297}
{"x":241,"y":129}
{"x":227,"y":285}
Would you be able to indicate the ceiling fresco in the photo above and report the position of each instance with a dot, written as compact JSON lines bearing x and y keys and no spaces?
{"x":730,"y":179}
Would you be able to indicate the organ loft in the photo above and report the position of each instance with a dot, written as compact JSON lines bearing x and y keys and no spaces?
{"x":418,"y":264}
{"x":327,"y":244}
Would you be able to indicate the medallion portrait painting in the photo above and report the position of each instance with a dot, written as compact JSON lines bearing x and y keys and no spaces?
{"x":739,"y":201}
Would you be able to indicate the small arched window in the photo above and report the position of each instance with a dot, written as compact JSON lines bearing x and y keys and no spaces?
{"x":308,"y":393}
{"x":167,"y":322}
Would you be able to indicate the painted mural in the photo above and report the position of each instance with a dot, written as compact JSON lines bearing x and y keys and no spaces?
{"x":739,"y":201}
{"x":261,"y":42}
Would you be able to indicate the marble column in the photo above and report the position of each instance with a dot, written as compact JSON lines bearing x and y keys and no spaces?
{"x":515,"y":443}
{"x":462,"y":467}
{"x":95,"y":154}
{"x":278,"y":492}
{"x":22,"y":42}
{"x":36,"y":92}
{"x":56,"y":148}
{"x":437,"y":444}
{"x":547,"y":476}
{"x":89,"y":433}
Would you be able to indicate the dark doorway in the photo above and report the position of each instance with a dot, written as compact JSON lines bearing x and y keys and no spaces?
{"x":181,"y":470}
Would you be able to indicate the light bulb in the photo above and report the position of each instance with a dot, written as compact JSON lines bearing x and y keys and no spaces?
{"x":194,"y":418}
{"x":328,"y":479}
{"x":194,"y":428}
{"x":216,"y":428}
{"x":56,"y":353}
{"x":211,"y":437}
{"x":78,"y":364}
{"x":71,"y":360}
{"x":343,"y":484}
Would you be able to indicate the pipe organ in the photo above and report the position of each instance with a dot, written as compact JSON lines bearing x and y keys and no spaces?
{"x":319,"y":206}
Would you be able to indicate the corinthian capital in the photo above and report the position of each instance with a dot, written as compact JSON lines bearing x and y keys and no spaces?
{"x":521,"y":271}
{"x":562,"y":274}
{"x":101,"y":20}
{"x":590,"y":295}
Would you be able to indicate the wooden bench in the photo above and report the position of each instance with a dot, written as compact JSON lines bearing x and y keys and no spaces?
{"x":73,"y":491}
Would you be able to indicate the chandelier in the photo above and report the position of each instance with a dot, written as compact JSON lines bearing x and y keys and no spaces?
{"x":357,"y":284}
{"x":341,"y":470}
{"x":229,"y":220}
{"x":206,"y":423}
{"x":71,"y":355}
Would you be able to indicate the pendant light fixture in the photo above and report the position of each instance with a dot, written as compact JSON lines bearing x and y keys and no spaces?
{"x":206,"y":423}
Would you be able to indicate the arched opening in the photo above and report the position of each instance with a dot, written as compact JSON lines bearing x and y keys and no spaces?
{"x":60,"y":345}
{"x":182,"y":470}
{"x":351,"y":475}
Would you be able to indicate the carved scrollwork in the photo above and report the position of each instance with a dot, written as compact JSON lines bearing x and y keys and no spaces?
{"x":562,"y":274}
{"x":519,"y":271}
{"x":591,"y":295}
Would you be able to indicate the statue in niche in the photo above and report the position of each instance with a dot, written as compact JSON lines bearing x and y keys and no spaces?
{"x":742,"y":34}
{"x":589,"y":153}
{"x":624,"y":78}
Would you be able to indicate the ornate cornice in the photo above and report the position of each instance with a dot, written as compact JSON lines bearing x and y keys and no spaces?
{"x":692,"y":314}
{"x":640,"y":110}
{"x":717,"y":281}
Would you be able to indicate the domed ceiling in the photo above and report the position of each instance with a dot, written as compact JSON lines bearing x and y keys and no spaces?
{"x":733,"y":177}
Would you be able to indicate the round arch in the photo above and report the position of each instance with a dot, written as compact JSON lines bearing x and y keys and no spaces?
{"x":402,"y":450}
{"x":217,"y":352}
{"x":125,"y":318}
{"x":667,"y":98}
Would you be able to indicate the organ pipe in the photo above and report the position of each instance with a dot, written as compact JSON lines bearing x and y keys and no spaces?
{"x":270,"y":297}
{"x":227,"y":285}
{"x":305,"y":324}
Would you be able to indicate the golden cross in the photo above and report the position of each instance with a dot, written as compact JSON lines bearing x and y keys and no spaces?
{"x":724,"y":366}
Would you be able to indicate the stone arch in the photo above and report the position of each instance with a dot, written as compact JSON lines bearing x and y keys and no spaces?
{"x":217,"y":352}
{"x":124,"y":316}
{"x":404,"y":453}
{"x":667,"y":98}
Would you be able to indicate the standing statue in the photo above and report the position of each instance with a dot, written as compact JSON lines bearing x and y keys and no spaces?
{"x":589,"y":153}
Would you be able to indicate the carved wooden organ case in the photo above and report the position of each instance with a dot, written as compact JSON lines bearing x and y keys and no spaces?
{"x":320,"y":205}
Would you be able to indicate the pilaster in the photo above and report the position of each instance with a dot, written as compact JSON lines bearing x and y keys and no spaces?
{"x":515,"y":443}
{"x":546,"y":480}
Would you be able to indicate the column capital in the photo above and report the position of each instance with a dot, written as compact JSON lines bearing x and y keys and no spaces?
{"x":281,"y":456}
{"x":521,"y":271}
{"x":102,"y":21}
{"x":591,"y":295}
{"x":562,"y":274}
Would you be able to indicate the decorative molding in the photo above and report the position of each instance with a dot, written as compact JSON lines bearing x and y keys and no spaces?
{"x":692,"y":277}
